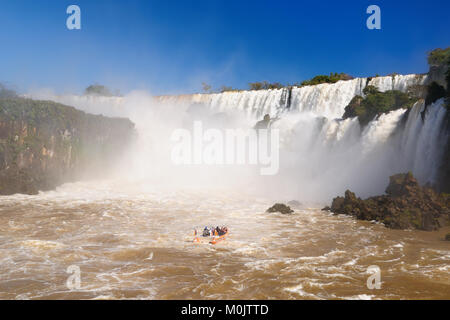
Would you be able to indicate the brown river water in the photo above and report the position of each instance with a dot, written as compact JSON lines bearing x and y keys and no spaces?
{"x":137,"y":244}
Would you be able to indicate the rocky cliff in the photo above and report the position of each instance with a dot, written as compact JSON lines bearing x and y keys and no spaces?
{"x":44,"y":144}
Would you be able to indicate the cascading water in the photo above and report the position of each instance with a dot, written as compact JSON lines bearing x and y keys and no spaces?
{"x":131,"y":236}
{"x":328,"y":100}
{"x":421,"y":141}
{"x":321,"y":155}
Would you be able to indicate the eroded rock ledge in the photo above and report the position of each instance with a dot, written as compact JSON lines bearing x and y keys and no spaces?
{"x":406,"y":205}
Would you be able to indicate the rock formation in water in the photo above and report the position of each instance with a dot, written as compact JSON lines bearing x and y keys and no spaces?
{"x":376,"y":103}
{"x":44,"y":144}
{"x":406,"y":205}
{"x":264,"y":123}
{"x":281,"y":208}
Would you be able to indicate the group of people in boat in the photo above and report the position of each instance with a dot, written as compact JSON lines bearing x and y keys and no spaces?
{"x":217,"y":231}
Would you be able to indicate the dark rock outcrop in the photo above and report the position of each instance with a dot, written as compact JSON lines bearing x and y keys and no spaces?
{"x":405,"y":206}
{"x":439,"y":62}
{"x":263,"y":124}
{"x":44,"y":144}
{"x":281,"y":208}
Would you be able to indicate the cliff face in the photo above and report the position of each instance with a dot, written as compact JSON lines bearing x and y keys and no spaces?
{"x":439,"y":87}
{"x":44,"y":144}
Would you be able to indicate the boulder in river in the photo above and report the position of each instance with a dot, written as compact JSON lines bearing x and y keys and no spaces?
{"x":406,"y":205}
{"x":281,"y":208}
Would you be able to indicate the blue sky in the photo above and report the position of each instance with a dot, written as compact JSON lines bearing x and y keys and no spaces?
{"x":174,"y":46}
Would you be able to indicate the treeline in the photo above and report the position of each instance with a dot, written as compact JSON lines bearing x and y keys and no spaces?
{"x":439,"y":56}
{"x":266,"y":85}
{"x":332,"y":78}
{"x":101,"y":90}
{"x":6,"y":92}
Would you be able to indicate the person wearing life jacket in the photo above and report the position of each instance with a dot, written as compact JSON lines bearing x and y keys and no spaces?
{"x":206,"y":232}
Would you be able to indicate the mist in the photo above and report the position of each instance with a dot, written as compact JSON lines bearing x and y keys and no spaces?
{"x":320,"y":155}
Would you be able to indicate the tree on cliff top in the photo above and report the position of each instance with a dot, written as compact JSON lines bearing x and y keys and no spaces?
{"x":439,"y":56}
{"x":206,"y":87}
{"x":264,"y":85}
{"x":332,"y":78}
{"x":6,"y":92}
{"x":100,"y":90}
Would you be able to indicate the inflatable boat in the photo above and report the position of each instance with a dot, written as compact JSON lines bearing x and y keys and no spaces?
{"x":211,"y":236}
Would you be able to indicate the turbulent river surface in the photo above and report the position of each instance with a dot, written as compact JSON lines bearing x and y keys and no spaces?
{"x":130,"y":240}
{"x":133,"y":242}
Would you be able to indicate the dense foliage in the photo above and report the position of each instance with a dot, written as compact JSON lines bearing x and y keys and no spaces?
{"x":376,"y":103}
{"x":266,"y":85}
{"x":100,"y":90}
{"x":439,"y":56}
{"x":206,"y":87}
{"x":227,"y":88}
{"x":5,"y":92}
{"x":332,"y":78}
{"x":44,"y":143}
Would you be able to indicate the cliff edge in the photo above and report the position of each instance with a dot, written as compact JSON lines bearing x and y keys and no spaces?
{"x":44,"y":144}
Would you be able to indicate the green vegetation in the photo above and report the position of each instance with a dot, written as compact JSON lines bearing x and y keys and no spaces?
{"x":439,"y":61}
{"x":376,"y":103}
{"x":6,"y":92}
{"x":100,"y":90}
{"x":227,"y":89}
{"x":206,"y":87}
{"x":266,"y":85}
{"x":43,"y":143}
{"x":439,"y":56}
{"x":39,"y":113}
{"x":332,"y":78}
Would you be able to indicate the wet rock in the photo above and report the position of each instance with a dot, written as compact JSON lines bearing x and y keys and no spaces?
{"x":402,"y":185}
{"x":281,"y":208}
{"x":406,"y":205}
{"x":327,"y":208}
{"x":447,"y":237}
{"x":263,"y":124}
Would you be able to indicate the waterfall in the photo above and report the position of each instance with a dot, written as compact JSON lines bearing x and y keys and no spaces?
{"x":327,"y":99}
{"x":254,"y":104}
{"x":421,"y":141}
{"x":321,"y":155}
{"x":397,"y":82}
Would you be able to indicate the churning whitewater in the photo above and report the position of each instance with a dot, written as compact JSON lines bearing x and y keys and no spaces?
{"x":321,"y":155}
{"x":131,"y":235}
